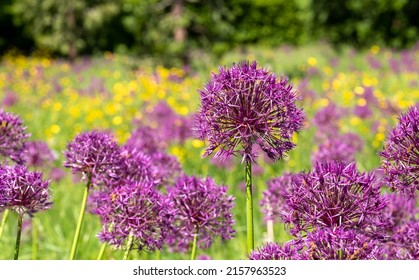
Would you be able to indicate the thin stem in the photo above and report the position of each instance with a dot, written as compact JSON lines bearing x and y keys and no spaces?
{"x":3,"y":221}
{"x":19,"y":232}
{"x":129,"y":246}
{"x":102,"y":251}
{"x":249,"y":208}
{"x":270,"y":230}
{"x":34,"y":239}
{"x":80,"y":221}
{"x":194,"y":244}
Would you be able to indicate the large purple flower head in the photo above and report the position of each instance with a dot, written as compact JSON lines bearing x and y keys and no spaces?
{"x":334,"y":195}
{"x":23,"y":191}
{"x":200,"y":207}
{"x":400,"y":155}
{"x":95,"y":154}
{"x":341,"y":148}
{"x":275,"y":251}
{"x":273,"y":202}
{"x":340,"y":244}
{"x":404,"y":243}
{"x":133,"y":209}
{"x":246,"y":105}
{"x":12,"y":136}
{"x":136,"y":166}
{"x":37,"y":154}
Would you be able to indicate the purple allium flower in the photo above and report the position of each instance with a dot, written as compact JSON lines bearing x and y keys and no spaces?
{"x":56,"y":174}
{"x":137,"y":209}
{"x":404,"y":244}
{"x":10,"y":99}
{"x":146,"y":140}
{"x":273,"y":202}
{"x":400,"y":155}
{"x":12,"y":136}
{"x":200,"y":207}
{"x":341,"y":244}
{"x":94,"y":154}
{"x":334,"y":195}
{"x":326,"y":120}
{"x":341,"y":148}
{"x":168,"y":168}
{"x":401,"y":209}
{"x":275,"y":251}
{"x":137,"y":166}
{"x":204,"y":258}
{"x":23,"y":191}
{"x":363,"y":112}
{"x":245,"y":105}
{"x":37,"y":154}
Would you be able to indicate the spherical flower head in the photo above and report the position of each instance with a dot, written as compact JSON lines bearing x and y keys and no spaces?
{"x":136,"y":166}
{"x":199,"y":207}
{"x":37,"y":154}
{"x":137,"y":209}
{"x":326,"y":120}
{"x":12,"y":136}
{"x":404,"y":243}
{"x":147,"y":140}
{"x":275,"y":251}
{"x":340,"y":244}
{"x":334,"y":195}
{"x":93,"y":153}
{"x":246,"y":105}
{"x":273,"y":202}
{"x":23,"y":191}
{"x":341,"y":148}
{"x":400,"y":155}
{"x":401,"y":209}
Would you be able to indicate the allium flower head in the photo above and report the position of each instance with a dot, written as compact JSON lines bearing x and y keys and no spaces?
{"x":146,"y":140}
{"x":137,"y":209}
{"x":334,"y":195}
{"x":23,"y":191}
{"x":246,"y":105}
{"x":94,"y":153}
{"x":404,"y":243}
{"x":199,"y":204}
{"x":326,"y":120}
{"x":275,"y":251}
{"x":12,"y":136}
{"x":400,"y":155}
{"x":37,"y":154}
{"x":136,"y":166}
{"x":273,"y":202}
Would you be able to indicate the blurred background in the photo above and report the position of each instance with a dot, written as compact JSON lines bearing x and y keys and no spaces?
{"x":173,"y":30}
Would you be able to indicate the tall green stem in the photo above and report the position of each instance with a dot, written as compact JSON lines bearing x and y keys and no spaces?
{"x":249,"y":207}
{"x":194,"y":244}
{"x":129,"y":246}
{"x":3,"y":221}
{"x":19,"y":232}
{"x":34,"y":239}
{"x":80,"y":221}
{"x":102,"y":251}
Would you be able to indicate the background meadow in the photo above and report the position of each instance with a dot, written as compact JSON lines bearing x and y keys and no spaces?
{"x":57,"y":98}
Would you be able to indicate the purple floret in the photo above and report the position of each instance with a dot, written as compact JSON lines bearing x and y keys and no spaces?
{"x":37,"y":154}
{"x":334,"y":195}
{"x":137,"y":209}
{"x":246,"y":105}
{"x":23,"y":191}
{"x":400,"y":155}
{"x":12,"y":137}
{"x":200,"y":207}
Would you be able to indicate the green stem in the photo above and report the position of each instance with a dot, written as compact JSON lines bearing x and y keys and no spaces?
{"x":80,"y":221}
{"x":194,"y":244}
{"x":3,"y":221}
{"x":129,"y":246}
{"x":34,"y":239}
{"x":19,"y":232}
{"x":249,"y":208}
{"x":102,"y":251}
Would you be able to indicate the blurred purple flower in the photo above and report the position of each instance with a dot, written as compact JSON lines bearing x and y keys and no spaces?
{"x":23,"y":191}
{"x":334,"y":195}
{"x":404,"y":243}
{"x":400,"y":155}
{"x":246,"y":105}
{"x":95,"y":154}
{"x":273,"y":202}
{"x":37,"y":154}
{"x":10,"y":99}
{"x":146,"y":140}
{"x":362,"y":112}
{"x":168,"y":168}
{"x":137,"y":166}
{"x":137,"y":209}
{"x":56,"y":174}
{"x":204,"y":258}
{"x":200,"y":207}
{"x":326,"y":121}
{"x":341,"y":148}
{"x":12,"y":137}
{"x":401,"y":209}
